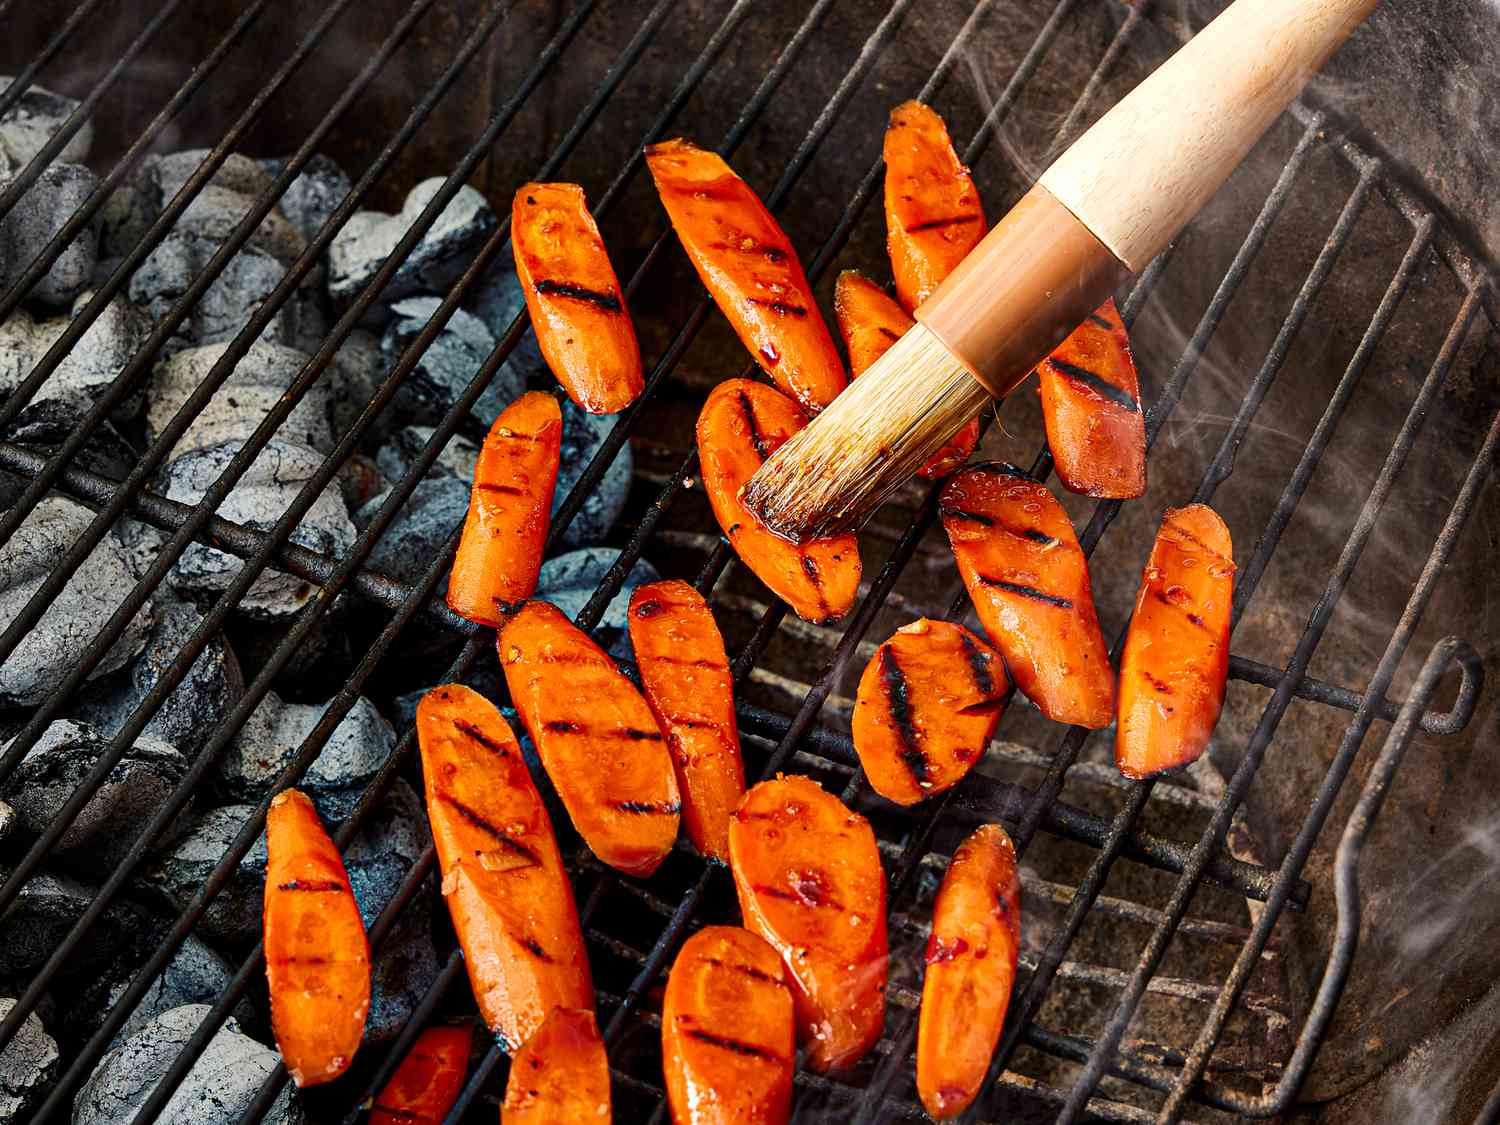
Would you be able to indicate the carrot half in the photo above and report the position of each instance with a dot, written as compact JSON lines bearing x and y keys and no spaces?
{"x":1029,"y":582}
{"x":728,"y":1031}
{"x":685,"y":673}
{"x":926,"y":708}
{"x":933,"y":216}
{"x":751,"y":269}
{"x":870,"y":322}
{"x":1176,"y":655}
{"x":971,"y":967}
{"x":742,"y":423}
{"x":810,"y":882}
{"x":560,"y":1076}
{"x":582,"y":326}
{"x":1091,"y":405}
{"x":510,"y":506}
{"x":317,"y":955}
{"x":596,"y":737}
{"x":503,"y":877}
{"x":427,"y":1082}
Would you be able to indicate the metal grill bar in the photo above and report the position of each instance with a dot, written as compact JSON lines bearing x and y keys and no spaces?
{"x":27,"y":75}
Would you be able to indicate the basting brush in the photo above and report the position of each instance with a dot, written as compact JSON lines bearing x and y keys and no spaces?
{"x":1100,"y":212}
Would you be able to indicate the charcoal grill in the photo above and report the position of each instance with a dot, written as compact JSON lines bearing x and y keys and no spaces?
{"x":1050,"y":1066}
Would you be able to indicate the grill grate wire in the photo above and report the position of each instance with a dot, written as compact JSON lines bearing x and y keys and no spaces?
{"x":789,"y":737}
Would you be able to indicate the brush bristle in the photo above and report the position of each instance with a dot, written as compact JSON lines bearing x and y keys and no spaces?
{"x":885,"y":426}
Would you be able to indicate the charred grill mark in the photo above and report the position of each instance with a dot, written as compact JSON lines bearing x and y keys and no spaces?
{"x":606,"y":301}
{"x":953,"y":511}
{"x":748,"y":970}
{"x":313,"y":886}
{"x":780,"y":308}
{"x":684,"y":662}
{"x":1159,"y":685}
{"x":649,"y":609}
{"x":568,"y":726}
{"x":1096,"y":383}
{"x":775,"y":892}
{"x":898,"y":699}
{"x":1161,"y":596}
{"x":810,"y":569}
{"x":1025,"y":591}
{"x":1095,"y":318}
{"x":979,"y":666}
{"x":938,"y":224}
{"x":477,"y":735}
{"x":738,"y":1046}
{"x":535,"y":949}
{"x":1031,"y":533}
{"x":889,"y":334}
{"x":562,"y":726}
{"x":756,"y":438}
{"x":650,"y":808}
{"x":1202,"y":546}
{"x":507,"y":489}
{"x":693,"y":724}
{"x":635,"y":734}
{"x":505,"y":839}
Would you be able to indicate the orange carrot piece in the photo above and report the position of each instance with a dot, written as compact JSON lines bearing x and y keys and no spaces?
{"x":810,"y":882}
{"x":743,"y":423}
{"x":1029,"y":581}
{"x":685,"y":673}
{"x":427,"y":1082}
{"x":317,"y":955}
{"x":503,"y":877}
{"x":596,"y":737}
{"x":510,"y":507}
{"x":561,"y":1075}
{"x":926,"y":708}
{"x":971,"y":966}
{"x":1176,"y":655}
{"x":1091,"y":404}
{"x":933,"y":216}
{"x":750,"y":268}
{"x":870,"y":323}
{"x":582,"y":325}
{"x":728,"y":1031}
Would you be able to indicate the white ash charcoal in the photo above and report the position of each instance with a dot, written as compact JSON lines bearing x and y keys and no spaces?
{"x":583,"y":434}
{"x":27,"y":126}
{"x":446,"y":368}
{"x":44,"y":429}
{"x":272,"y":736}
{"x":109,"y":824}
{"x":258,"y":500}
{"x":233,"y":917}
{"x":29,"y":226}
{"x":569,"y":581}
{"x":188,"y":716}
{"x":8,"y":820}
{"x":444,"y":252}
{"x":497,"y":299}
{"x":256,"y":384}
{"x":84,"y":375}
{"x":360,"y":369}
{"x":44,"y":911}
{"x":313,"y":196}
{"x":421,"y":528}
{"x":28,"y":1063}
{"x":217,"y":1090}
{"x":51,"y":649}
{"x":402,"y":449}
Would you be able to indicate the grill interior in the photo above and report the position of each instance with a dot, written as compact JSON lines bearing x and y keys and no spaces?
{"x":1211,"y":1014}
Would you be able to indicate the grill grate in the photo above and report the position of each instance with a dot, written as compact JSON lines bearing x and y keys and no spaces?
{"x":631,"y":959}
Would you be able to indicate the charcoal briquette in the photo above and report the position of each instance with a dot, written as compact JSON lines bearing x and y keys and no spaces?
{"x":446,"y":367}
{"x":583,"y":435}
{"x":313,"y":196}
{"x":421,"y":528}
{"x":27,"y":126}
{"x":569,"y":581}
{"x":28,"y":1064}
{"x":27,"y":228}
{"x":401,"y":450}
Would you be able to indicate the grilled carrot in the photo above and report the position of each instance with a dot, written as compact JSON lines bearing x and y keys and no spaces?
{"x":317,"y":955}
{"x":1030,"y":583}
{"x":728,"y":1032}
{"x":742,"y":424}
{"x":1176,"y":654}
{"x":685,"y":673}
{"x":596,"y":737}
{"x":503,"y":878}
{"x":927,"y":705}
{"x":971,"y":965}
{"x":510,"y":506}
{"x":1091,"y":404}
{"x":427,"y":1082}
{"x":810,"y":882}
{"x":582,"y":325}
{"x":749,"y":266}
{"x":870,"y":322}
{"x":560,"y":1076}
{"x":933,"y":216}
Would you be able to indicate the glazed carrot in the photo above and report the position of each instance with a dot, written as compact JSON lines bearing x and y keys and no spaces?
{"x":685,"y":673}
{"x":1029,"y":582}
{"x":749,"y":266}
{"x":510,"y":506}
{"x":317,"y":955}
{"x":427,"y":1082}
{"x":728,"y":1033}
{"x":870,"y":323}
{"x":577,"y":308}
{"x":1091,"y":404}
{"x":503,"y":878}
{"x":810,"y":882}
{"x":560,"y":1076}
{"x":927,"y":705}
{"x":1176,"y":655}
{"x":742,"y":424}
{"x":596,"y":737}
{"x":971,"y":965}
{"x":933,"y":216}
